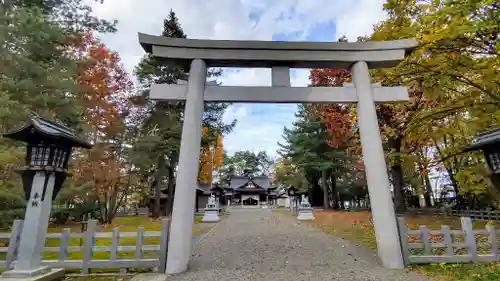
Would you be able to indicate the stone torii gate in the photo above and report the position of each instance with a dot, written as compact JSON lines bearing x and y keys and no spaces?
{"x":196,"y":55}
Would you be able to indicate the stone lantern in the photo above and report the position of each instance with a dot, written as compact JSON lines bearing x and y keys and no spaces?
{"x":489,"y":143}
{"x":219,"y":195}
{"x":49,"y":146}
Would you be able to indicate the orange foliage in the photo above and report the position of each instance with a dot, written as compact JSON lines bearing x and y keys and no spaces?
{"x":338,"y":120}
{"x":210,"y":158}
{"x":338,"y":123}
{"x":105,"y":86}
{"x":324,"y":77}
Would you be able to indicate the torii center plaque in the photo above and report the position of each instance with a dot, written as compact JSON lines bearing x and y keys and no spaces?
{"x":196,"y":55}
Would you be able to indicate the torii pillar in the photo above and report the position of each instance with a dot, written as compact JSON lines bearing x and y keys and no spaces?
{"x":279,"y":56}
{"x":181,"y":225}
{"x":386,"y":231}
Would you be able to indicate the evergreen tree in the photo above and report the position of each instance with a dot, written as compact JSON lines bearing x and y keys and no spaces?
{"x":157,"y":148}
{"x":307,"y":147}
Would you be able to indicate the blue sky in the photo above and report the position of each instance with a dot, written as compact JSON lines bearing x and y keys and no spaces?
{"x":259,"y":126}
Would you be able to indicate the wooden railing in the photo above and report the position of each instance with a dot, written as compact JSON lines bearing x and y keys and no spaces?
{"x":90,"y":255}
{"x":449,"y":246}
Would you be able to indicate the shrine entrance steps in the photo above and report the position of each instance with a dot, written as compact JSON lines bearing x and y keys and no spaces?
{"x":258,"y":244}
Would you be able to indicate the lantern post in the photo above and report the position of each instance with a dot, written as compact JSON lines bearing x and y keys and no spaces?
{"x":49,"y":146}
{"x":291,"y":195}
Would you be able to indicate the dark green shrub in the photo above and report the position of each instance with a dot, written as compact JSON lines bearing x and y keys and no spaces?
{"x":7,"y":217}
{"x":61,"y":216}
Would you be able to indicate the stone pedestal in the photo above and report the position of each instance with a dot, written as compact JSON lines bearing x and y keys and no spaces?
{"x":32,"y":238}
{"x":42,"y":274}
{"x":211,"y":213}
{"x":305,"y":212}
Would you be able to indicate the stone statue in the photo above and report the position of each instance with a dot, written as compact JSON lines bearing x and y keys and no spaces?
{"x":304,"y":199}
{"x":211,"y":211}
{"x":211,"y":199}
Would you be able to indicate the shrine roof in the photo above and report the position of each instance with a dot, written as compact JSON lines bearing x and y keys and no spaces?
{"x":485,"y":139}
{"x":241,"y":182}
{"x":203,"y":187}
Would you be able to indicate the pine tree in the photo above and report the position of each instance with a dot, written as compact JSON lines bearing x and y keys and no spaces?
{"x":307,"y":146}
{"x":159,"y":123}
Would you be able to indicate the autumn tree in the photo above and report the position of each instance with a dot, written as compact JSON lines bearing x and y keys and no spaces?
{"x":106,"y":87}
{"x":38,"y":71}
{"x":287,"y":174}
{"x":449,"y":80}
{"x":337,"y":119}
{"x":210,"y":159}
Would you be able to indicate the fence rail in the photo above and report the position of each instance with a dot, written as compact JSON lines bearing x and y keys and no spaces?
{"x":473,"y":214}
{"x":449,"y":246}
{"x":90,"y":247}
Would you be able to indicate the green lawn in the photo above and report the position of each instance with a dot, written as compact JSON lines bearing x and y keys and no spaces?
{"x":358,"y":227}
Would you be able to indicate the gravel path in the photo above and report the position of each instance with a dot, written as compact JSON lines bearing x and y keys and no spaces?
{"x":257,"y":244}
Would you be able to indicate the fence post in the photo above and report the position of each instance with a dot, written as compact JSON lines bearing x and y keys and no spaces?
{"x":115,"y":239}
{"x":165,"y":227}
{"x":424,"y":237}
{"x":403,"y":239}
{"x":15,"y":233}
{"x":448,"y":241}
{"x":470,"y":239}
{"x":63,"y":244}
{"x":492,"y":238}
{"x":115,"y":242}
{"x":88,"y":246}
{"x":138,"y":242}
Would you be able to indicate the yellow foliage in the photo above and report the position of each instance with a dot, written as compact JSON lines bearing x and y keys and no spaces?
{"x":219,"y":153}
{"x":210,"y":158}
{"x":206,"y":166}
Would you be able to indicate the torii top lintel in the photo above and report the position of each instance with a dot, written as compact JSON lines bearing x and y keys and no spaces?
{"x":238,"y":53}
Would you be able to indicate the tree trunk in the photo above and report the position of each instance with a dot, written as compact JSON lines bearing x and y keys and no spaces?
{"x":428,"y":191}
{"x":111,"y":208}
{"x":449,"y":170}
{"x":157,"y":201}
{"x":454,"y":182}
{"x":324,"y":185}
{"x":173,"y":160}
{"x":158,"y":184}
{"x":335,"y":200}
{"x":397,"y":176}
{"x":171,"y":190}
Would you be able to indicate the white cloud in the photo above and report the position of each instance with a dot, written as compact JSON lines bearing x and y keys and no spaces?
{"x":360,"y":19}
{"x":230,"y":19}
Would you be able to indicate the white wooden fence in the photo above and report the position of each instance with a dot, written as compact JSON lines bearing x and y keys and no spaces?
{"x":90,"y":247}
{"x":449,"y":246}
